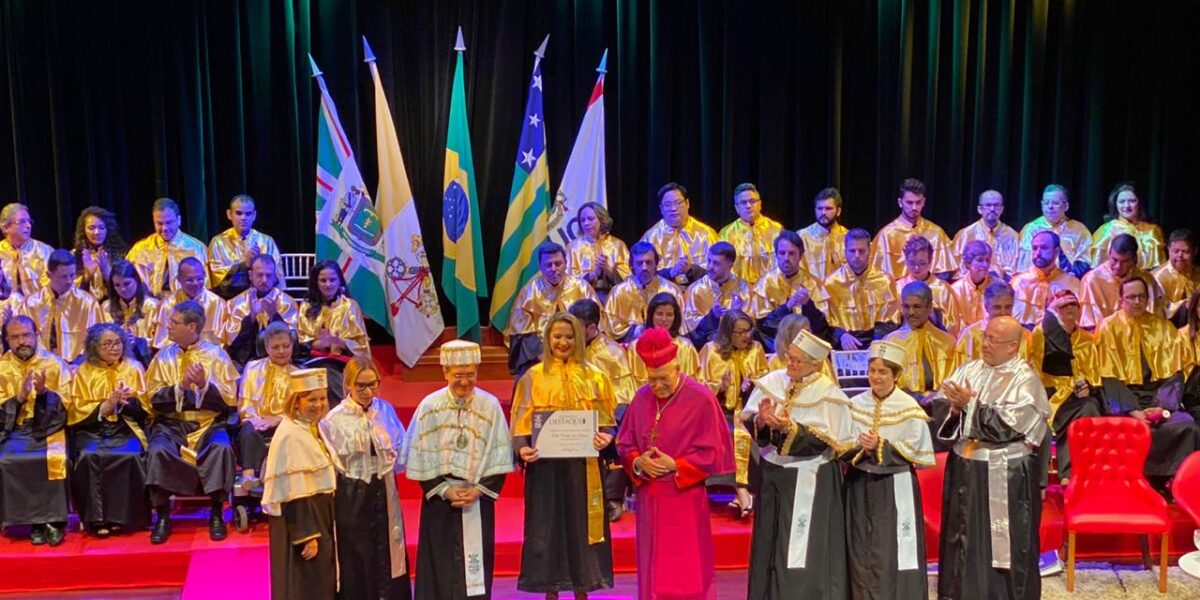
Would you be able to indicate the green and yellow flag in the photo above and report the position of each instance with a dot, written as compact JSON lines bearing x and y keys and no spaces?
{"x":528,"y":203}
{"x":463,"y":278}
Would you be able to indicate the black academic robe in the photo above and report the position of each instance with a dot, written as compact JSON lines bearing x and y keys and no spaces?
{"x":1171,"y":440}
{"x":108,"y":469}
{"x":871,"y":532}
{"x":27,"y":495}
{"x":768,"y":326}
{"x":292,"y":577}
{"x":965,"y":571}
{"x":824,"y":574}
{"x":556,"y":555}
{"x":440,"y":549}
{"x":364,"y":554}
{"x":166,"y":469}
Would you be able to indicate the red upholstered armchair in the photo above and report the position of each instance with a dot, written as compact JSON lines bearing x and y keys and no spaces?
{"x":1107,"y":492}
{"x":1187,"y":496}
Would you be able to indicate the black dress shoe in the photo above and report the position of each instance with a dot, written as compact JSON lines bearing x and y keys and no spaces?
{"x":55,"y":535}
{"x":161,"y":531}
{"x":216,"y":527}
{"x":615,"y":509}
{"x":37,"y":535}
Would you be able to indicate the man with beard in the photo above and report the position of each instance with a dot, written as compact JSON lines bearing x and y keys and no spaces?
{"x":887,"y":250}
{"x":996,"y":422}
{"x":785,"y":290}
{"x":1000,"y":237}
{"x":1034,"y":287}
{"x":751,"y":234}
{"x":681,"y":241}
{"x":626,"y":304}
{"x":859,"y":298}
{"x":711,"y":296}
{"x":230,"y":252}
{"x":1100,"y":289}
{"x":552,"y":291}
{"x":190,"y":278}
{"x":1075,"y":237}
{"x":825,"y":240}
{"x":33,"y":459}
{"x":252,"y":310}
{"x":1178,"y":277}
{"x":157,"y":255}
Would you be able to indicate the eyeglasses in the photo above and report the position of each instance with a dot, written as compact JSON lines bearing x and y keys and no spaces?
{"x":370,"y":385}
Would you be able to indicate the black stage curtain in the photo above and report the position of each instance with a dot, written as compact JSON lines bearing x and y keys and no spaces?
{"x":117,"y":103}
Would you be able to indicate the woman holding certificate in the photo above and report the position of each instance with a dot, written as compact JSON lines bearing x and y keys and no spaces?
{"x":567,"y":544}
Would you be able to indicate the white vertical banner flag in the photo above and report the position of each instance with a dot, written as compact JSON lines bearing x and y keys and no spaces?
{"x":413,"y":311}
{"x":584,"y":178}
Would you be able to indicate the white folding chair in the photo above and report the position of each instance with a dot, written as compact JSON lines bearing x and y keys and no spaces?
{"x":295,"y":272}
{"x":850,"y":366}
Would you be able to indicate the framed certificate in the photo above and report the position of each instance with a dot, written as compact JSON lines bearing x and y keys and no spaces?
{"x":564,"y":433}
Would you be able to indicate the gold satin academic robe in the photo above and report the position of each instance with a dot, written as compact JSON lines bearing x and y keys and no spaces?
{"x":1152,"y":250}
{"x":686,"y":356}
{"x":25,"y":268}
{"x":1032,"y":289}
{"x":63,"y":321}
{"x":92,"y":282}
{"x":927,"y":343}
{"x":609,"y":357}
{"x":1084,"y":367}
{"x":343,"y":318}
{"x":1004,"y":241}
{"x":141,"y":324}
{"x":216,"y":315}
{"x":691,"y":240}
{"x":239,"y":309}
{"x":538,"y":301}
{"x":263,"y":389}
{"x":167,"y":369}
{"x":970,"y":300}
{"x":12,"y":304}
{"x":1100,"y":295}
{"x":58,"y":380}
{"x":857,"y":302}
{"x":582,"y":254}
{"x":887,"y":249}
{"x":228,"y":248}
{"x":1125,"y":340}
{"x":1074,"y":239}
{"x":944,"y":300}
{"x":777,"y":361}
{"x":1177,"y":288}
{"x":93,"y":383}
{"x":824,"y":249}
{"x":705,"y":293}
{"x":970,"y":343}
{"x":157,"y":259}
{"x":774,"y":288}
{"x":568,"y":386}
{"x":1192,"y":348}
{"x":627,"y":303}
{"x":742,"y":365}
{"x":755,"y":245}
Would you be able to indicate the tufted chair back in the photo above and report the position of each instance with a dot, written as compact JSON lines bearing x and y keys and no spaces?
{"x":1109,"y":455}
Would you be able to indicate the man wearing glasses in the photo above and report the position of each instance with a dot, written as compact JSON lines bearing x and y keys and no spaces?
{"x":681,"y":241}
{"x":752,"y":234}
{"x":997,"y":422}
{"x":1142,"y":375}
{"x":1075,"y":238}
{"x":1002,"y":239}
{"x":1099,"y":290}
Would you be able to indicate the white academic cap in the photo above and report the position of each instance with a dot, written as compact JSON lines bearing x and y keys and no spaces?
{"x":307,"y":380}
{"x":459,"y":352}
{"x":811,"y":345}
{"x":889,"y":351}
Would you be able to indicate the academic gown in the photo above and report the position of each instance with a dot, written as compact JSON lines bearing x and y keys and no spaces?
{"x":884,"y":525}
{"x":437,"y":459}
{"x":798,"y":547}
{"x":367,"y":448}
{"x":674,"y":533}
{"x":33,"y":458}
{"x":298,"y":498}
{"x":567,"y":543}
{"x":108,"y":453}
{"x":993,"y":476}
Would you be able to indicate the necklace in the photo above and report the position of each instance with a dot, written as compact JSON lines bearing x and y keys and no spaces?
{"x":652,"y":437}
{"x":459,"y":404}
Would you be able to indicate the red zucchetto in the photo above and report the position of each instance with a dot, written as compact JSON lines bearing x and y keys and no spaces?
{"x":656,"y":347}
